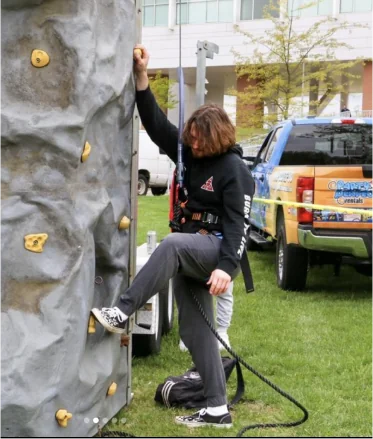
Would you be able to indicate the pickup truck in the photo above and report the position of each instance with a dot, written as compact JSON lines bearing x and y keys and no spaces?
{"x":320,"y":161}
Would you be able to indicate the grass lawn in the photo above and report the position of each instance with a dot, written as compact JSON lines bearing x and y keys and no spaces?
{"x":315,"y":345}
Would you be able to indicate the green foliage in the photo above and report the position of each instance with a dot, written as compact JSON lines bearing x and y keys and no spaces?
{"x":289,"y":62}
{"x":160,"y":86}
{"x":248,"y":133}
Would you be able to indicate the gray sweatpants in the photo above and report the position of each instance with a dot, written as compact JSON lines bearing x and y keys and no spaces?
{"x":224,"y":308}
{"x":190,"y":259}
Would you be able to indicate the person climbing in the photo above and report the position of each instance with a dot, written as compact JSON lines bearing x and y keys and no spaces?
{"x":205,"y":257}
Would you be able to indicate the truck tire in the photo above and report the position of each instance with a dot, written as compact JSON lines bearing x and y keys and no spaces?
{"x":142,"y":185}
{"x":291,"y":261}
{"x":158,"y":190}
{"x":150,"y":344}
{"x":168,"y":304}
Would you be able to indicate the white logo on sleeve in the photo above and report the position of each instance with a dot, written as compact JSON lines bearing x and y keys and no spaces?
{"x":208,"y":185}
{"x":246,"y":225}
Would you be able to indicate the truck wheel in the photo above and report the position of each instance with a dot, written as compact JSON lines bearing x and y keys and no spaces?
{"x":158,"y":190}
{"x":168,"y":305}
{"x":142,"y":185}
{"x":150,"y":344}
{"x":291,"y":261}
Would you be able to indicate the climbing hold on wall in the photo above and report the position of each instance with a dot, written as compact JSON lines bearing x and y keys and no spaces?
{"x":124,"y":223}
{"x":86,"y":151}
{"x":124,"y":341}
{"x":35,"y":242}
{"x":63,"y":416}
{"x":137,"y":52}
{"x":39,"y":58}
{"x":91,"y":325}
{"x":112,"y":389}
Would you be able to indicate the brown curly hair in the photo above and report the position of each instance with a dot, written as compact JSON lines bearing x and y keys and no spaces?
{"x":215,"y":131}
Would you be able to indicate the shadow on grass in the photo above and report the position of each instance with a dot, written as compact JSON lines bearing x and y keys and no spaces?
{"x":349,"y":284}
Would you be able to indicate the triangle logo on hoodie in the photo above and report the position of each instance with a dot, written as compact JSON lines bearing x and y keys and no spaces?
{"x":208,"y":185}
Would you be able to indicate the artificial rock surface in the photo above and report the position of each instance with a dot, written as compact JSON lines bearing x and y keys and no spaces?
{"x":84,"y":94}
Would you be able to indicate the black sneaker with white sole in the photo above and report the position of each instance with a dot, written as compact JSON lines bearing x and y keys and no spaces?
{"x":204,"y":419}
{"x":111,"y":319}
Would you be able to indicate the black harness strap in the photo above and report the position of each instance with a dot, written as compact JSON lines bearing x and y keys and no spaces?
{"x":204,"y":217}
{"x":246,"y":273}
{"x":240,"y":389}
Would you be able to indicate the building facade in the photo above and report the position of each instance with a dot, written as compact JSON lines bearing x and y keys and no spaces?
{"x":215,"y":20}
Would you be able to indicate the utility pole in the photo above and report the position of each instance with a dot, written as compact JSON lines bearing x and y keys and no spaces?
{"x":205,"y":49}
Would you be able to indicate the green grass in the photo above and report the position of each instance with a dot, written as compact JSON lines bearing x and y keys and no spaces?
{"x":152,"y":215}
{"x":315,"y":345}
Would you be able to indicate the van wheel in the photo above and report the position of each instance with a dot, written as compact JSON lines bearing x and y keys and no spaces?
{"x":168,"y":305}
{"x":291,"y":261}
{"x":158,"y":190}
{"x":150,"y":344}
{"x":142,"y":185}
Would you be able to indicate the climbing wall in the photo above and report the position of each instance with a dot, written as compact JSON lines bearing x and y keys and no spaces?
{"x":67,"y":105}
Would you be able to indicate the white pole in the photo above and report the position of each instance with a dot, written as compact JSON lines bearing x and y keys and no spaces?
{"x":302,"y":87}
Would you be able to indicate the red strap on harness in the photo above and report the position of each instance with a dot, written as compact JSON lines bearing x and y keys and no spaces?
{"x":173,"y":197}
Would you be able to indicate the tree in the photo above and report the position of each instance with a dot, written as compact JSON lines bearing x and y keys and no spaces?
{"x":160,"y":86}
{"x":288,"y":62}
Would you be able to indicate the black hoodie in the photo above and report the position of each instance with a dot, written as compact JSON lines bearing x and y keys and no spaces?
{"x":221,"y":185}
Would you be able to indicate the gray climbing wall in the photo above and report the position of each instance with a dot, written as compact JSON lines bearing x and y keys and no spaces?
{"x":84,"y":94}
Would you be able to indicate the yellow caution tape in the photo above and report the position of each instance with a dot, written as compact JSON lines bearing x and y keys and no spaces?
{"x":363,"y":212}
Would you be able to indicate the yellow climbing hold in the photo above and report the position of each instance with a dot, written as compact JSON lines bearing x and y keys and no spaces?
{"x":137,"y":52}
{"x":112,"y":389}
{"x":91,"y":325}
{"x":86,"y":151}
{"x":39,"y":58}
{"x":35,"y":242}
{"x":63,"y":416}
{"x":124,"y":223}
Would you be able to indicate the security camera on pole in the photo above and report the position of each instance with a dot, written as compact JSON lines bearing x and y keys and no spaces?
{"x":205,"y":49}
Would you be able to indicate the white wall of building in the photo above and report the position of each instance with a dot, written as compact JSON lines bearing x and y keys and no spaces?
{"x":163,"y":45}
{"x":163,"y":42}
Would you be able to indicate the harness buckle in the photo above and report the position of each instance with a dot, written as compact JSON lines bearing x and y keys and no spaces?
{"x":209,"y":218}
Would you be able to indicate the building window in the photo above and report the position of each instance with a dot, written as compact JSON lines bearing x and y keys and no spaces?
{"x":319,"y":7}
{"x":204,"y":11}
{"x":255,"y":9}
{"x":356,"y":5}
{"x":155,"y":12}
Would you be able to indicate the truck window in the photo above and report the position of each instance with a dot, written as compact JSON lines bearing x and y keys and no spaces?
{"x":329,"y":144}
{"x":263,"y":150}
{"x":272,"y":144}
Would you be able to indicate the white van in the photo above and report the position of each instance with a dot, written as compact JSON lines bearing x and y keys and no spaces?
{"x":155,"y":168}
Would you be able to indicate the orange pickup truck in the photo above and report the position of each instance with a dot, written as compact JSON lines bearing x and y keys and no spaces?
{"x":320,"y":161}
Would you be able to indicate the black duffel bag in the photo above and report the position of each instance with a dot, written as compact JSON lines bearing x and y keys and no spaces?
{"x":187,"y":390}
